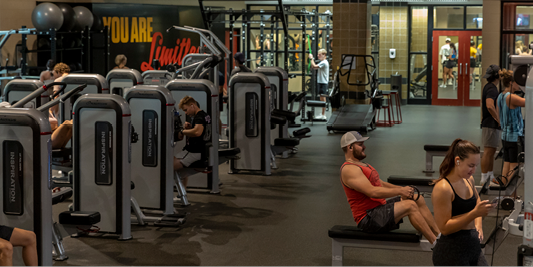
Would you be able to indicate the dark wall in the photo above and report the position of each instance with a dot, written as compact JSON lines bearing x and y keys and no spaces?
{"x":131,"y":24}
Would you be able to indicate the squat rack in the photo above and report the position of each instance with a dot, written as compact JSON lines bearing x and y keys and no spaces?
{"x":268,"y":56}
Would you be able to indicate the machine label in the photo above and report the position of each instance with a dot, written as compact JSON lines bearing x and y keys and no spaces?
{"x":149,"y":144}
{"x":252,"y":129}
{"x":103,"y":153}
{"x":13,"y":178}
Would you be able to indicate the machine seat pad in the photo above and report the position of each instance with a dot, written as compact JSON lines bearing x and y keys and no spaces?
{"x":284,"y":113}
{"x":301,"y":132}
{"x":409,"y":180}
{"x":300,"y":96}
{"x":442,"y":148}
{"x":276,"y":119}
{"x":61,"y":194}
{"x":228,"y":152}
{"x":316,"y":103}
{"x":200,"y":164}
{"x":79,"y":217}
{"x":352,"y":232}
{"x":286,"y":142}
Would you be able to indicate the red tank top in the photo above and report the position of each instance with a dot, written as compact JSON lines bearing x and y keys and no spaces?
{"x":359,"y":202}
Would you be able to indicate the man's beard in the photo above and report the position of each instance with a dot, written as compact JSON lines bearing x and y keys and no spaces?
{"x":358,"y":155}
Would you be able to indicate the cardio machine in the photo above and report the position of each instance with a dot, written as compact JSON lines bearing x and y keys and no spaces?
{"x":355,"y":117}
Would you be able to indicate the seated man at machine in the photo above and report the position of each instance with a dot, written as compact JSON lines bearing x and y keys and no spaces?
{"x":239,"y":64}
{"x":195,"y":133}
{"x":367,"y":195}
{"x":61,"y":133}
{"x":15,"y":237}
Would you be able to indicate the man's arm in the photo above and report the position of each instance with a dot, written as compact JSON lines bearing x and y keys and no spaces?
{"x":489,"y":102}
{"x":194,"y":132}
{"x":389,"y":185}
{"x":354,"y":178}
{"x":313,"y":64}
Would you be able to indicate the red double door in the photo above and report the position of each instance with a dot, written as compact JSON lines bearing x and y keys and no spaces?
{"x":461,"y":84}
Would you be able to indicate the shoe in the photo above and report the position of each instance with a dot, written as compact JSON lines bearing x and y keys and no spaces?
{"x":450,"y":83}
{"x":443,"y":86}
{"x":483,"y":181}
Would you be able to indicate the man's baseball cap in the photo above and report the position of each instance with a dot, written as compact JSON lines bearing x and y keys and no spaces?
{"x":448,"y":40}
{"x":239,"y":57}
{"x":492,"y":70}
{"x":352,"y":137}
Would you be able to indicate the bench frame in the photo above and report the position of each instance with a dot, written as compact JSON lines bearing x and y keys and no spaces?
{"x":338,"y":244}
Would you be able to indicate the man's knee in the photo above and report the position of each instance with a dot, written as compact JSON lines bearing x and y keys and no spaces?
{"x":421,"y":201}
{"x":6,"y":248}
{"x":177,"y":164}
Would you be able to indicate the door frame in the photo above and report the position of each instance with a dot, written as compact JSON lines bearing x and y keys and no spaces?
{"x":463,"y":96}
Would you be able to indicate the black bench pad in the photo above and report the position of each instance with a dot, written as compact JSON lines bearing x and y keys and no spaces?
{"x":316,"y":103}
{"x":79,"y":217}
{"x":284,"y":113}
{"x":301,"y":132}
{"x":441,"y":148}
{"x":409,"y":180}
{"x":228,"y":152}
{"x":352,"y":232}
{"x":286,"y":141}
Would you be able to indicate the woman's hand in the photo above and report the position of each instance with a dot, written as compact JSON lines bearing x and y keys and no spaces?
{"x":480,"y":232}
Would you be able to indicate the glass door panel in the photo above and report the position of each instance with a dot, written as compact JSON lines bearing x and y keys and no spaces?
{"x":474,"y":70}
{"x":445,"y":74}
{"x":456,"y":82}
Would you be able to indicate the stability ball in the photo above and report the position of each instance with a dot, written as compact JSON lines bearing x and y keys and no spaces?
{"x":69,"y":17}
{"x":84,"y":18}
{"x":47,"y":16}
{"x":98,"y":24}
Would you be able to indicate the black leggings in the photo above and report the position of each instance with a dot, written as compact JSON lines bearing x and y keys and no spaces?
{"x":459,"y":249}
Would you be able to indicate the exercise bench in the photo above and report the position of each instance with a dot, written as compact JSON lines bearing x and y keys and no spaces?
{"x":434,"y":151}
{"x":351,"y":236}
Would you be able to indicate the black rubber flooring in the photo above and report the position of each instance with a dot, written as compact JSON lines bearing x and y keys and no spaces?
{"x":283,"y":219}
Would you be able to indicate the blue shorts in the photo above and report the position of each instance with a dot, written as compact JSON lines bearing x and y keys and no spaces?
{"x":322,"y":89}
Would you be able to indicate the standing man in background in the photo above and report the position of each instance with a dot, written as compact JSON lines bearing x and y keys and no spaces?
{"x":322,"y":77}
{"x":444,"y":53}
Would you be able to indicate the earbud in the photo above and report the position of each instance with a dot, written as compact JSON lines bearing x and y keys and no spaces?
{"x":457,"y":162}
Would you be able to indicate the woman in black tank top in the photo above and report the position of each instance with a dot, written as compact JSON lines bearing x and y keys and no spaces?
{"x":457,"y":208}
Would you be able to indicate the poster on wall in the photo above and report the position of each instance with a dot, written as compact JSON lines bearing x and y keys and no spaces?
{"x":140,"y":33}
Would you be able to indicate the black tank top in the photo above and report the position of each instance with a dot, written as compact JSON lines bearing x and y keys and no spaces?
{"x":460,"y":205}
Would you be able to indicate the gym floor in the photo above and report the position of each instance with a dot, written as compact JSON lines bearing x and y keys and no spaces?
{"x":283,"y":219}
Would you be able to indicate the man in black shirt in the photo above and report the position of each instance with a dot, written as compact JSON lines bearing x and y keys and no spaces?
{"x":196,"y":132}
{"x":239,"y":64}
{"x":491,"y":135}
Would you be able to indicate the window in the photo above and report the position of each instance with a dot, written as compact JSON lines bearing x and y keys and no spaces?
{"x":448,"y":17}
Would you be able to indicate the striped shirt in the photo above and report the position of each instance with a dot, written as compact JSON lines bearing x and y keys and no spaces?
{"x":510,"y":120}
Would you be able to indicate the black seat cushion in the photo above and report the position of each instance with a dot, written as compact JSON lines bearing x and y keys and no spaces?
{"x":79,"y":217}
{"x":316,"y":103}
{"x":436,"y":148}
{"x":284,"y":113}
{"x":409,"y":180}
{"x":277,"y":120}
{"x":228,"y":152}
{"x":199,"y":164}
{"x":352,"y":232}
{"x":286,"y":141}
{"x":301,"y":132}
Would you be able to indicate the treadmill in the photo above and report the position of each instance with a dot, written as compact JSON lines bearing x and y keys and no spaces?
{"x":355,"y":117}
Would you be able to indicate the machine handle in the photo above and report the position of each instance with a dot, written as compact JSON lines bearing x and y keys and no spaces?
{"x":35,"y":94}
{"x":460,"y":68}
{"x":62,"y":98}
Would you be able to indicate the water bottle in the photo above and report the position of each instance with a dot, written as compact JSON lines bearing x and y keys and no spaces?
{"x":528,"y":224}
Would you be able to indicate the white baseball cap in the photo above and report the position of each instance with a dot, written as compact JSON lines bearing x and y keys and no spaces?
{"x":352,"y":137}
{"x":448,"y":40}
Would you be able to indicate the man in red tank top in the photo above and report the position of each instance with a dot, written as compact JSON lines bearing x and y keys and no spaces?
{"x":367,"y":195}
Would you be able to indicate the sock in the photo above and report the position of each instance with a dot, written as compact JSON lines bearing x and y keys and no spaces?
{"x":484,"y":178}
{"x":438,"y":236}
{"x":491,"y":174}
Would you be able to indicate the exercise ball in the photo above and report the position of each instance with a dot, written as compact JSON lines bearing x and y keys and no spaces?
{"x":47,"y":16}
{"x":69,"y":17}
{"x":98,"y":24}
{"x":84,"y":18}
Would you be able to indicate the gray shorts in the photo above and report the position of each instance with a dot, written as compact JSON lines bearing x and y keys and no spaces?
{"x":381,"y":218}
{"x":187,"y":158}
{"x":491,"y":137}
